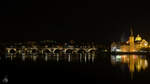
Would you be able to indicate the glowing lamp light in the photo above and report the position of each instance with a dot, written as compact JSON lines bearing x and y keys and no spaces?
{"x":127,"y":42}
{"x":145,"y":44}
{"x":118,"y":50}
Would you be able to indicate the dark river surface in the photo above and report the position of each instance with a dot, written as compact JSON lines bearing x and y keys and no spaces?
{"x":74,"y":68}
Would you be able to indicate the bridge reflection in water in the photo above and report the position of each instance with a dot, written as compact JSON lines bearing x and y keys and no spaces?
{"x":56,"y":57}
{"x":135,"y":63}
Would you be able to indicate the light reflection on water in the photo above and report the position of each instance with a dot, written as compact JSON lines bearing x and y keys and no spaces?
{"x":84,"y":57}
{"x":135,"y":63}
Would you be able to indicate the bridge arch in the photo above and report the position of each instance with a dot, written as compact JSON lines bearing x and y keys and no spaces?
{"x":69,"y":51}
{"x":46,"y":51}
{"x":92,"y":51}
{"x":81,"y":51}
{"x":12,"y":50}
{"x":34,"y":50}
{"x":57,"y":51}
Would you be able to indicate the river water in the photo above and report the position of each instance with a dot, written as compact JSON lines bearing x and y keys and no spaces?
{"x":87,"y":67}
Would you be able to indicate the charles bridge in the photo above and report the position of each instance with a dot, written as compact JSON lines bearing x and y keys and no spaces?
{"x":49,"y":50}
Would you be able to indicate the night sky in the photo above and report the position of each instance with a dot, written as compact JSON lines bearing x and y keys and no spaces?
{"x":88,"y":20}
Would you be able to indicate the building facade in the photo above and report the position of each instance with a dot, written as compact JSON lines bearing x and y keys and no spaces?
{"x":131,"y":45}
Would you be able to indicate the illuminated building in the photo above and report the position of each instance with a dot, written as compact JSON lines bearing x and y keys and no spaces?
{"x":132,"y":45}
{"x":138,"y":38}
{"x":144,"y":43}
{"x":131,"y":42}
{"x":124,"y":47}
{"x":113,"y":46}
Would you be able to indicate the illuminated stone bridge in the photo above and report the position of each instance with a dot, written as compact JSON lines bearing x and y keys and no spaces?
{"x":47,"y":50}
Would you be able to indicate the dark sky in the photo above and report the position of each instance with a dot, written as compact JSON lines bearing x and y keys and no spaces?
{"x":71,"y":19}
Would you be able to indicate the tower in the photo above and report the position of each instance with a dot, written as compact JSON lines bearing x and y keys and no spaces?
{"x":131,"y":41}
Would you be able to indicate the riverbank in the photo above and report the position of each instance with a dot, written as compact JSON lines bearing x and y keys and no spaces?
{"x":121,"y":53}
